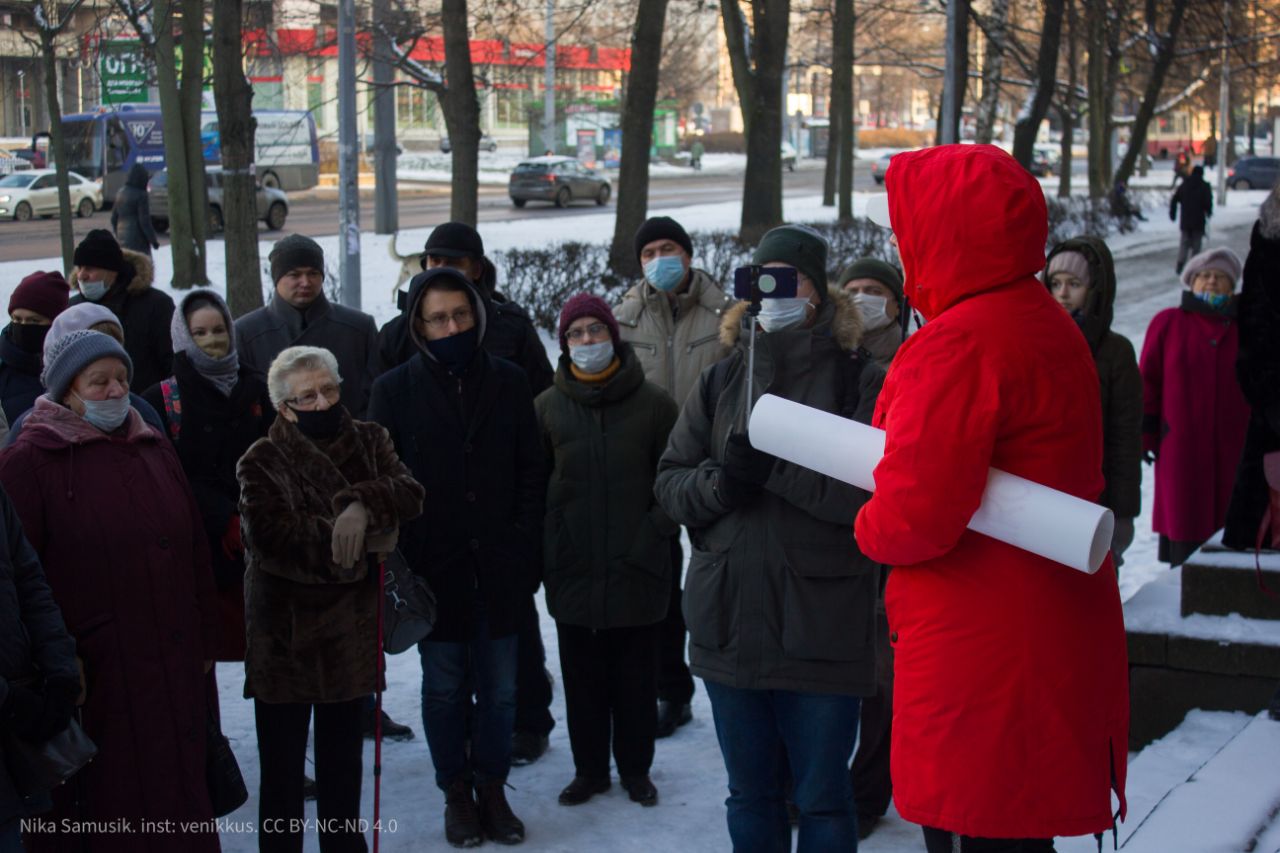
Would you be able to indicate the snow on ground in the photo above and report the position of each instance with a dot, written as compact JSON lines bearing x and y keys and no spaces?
{"x":687,"y":768}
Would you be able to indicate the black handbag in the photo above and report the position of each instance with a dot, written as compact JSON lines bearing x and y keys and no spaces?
{"x":227,"y":791}
{"x":408,"y":606}
{"x":37,"y":768}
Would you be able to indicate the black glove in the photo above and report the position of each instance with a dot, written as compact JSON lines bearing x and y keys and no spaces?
{"x":59,"y":705}
{"x":24,"y":711}
{"x":743,"y":472}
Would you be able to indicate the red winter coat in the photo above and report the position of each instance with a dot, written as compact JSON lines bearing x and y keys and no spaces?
{"x":1194,"y":417}
{"x":1011,"y":694}
{"x":122,"y":544}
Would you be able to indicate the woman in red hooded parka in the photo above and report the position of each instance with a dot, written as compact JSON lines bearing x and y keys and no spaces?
{"x":1011,"y":706}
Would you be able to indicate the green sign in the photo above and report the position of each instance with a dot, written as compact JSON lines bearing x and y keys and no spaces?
{"x":124,"y":73}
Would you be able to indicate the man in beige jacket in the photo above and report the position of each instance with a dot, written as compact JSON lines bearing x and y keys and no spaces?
{"x":672,"y":321}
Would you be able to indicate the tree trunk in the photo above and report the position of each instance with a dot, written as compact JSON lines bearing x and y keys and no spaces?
{"x":57,"y":146}
{"x":1067,"y":110}
{"x":191,"y":97}
{"x":234,"y":97}
{"x":757,"y":74}
{"x":461,"y":112}
{"x":1151,"y":96}
{"x":1096,"y":71}
{"x":832,"y":165}
{"x":842,"y":96}
{"x":957,"y":72}
{"x":175,"y":149}
{"x":1028,"y":125}
{"x":632,"y":205}
{"x":992,"y":68}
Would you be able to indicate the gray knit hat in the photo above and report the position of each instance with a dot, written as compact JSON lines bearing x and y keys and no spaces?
{"x":1221,"y":259}
{"x":290,"y":253}
{"x":72,"y":353}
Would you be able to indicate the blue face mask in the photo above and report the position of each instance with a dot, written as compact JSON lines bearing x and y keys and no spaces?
{"x":1216,"y":301}
{"x":106,"y":415}
{"x":94,"y":290}
{"x":665,"y":272}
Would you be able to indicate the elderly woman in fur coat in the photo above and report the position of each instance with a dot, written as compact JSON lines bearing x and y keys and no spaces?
{"x":319,"y":494}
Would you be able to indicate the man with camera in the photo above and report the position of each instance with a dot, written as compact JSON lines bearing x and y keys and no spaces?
{"x":779,"y":601}
{"x":672,"y":321}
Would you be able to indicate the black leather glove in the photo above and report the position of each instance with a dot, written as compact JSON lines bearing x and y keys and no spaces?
{"x":59,"y":705}
{"x":743,"y":472}
{"x":23,"y":711}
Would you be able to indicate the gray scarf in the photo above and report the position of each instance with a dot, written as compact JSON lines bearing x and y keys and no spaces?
{"x":223,"y":372}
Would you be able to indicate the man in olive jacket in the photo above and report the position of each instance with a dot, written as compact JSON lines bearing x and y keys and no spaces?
{"x":672,"y":321}
{"x":779,"y":601}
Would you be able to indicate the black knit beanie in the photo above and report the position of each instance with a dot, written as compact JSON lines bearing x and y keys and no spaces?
{"x":292,"y":252}
{"x":99,"y":249}
{"x":874,"y":268}
{"x":797,"y":246}
{"x":662,"y":228}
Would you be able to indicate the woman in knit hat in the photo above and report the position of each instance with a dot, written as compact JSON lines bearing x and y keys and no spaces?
{"x":212,"y":409}
{"x":1082,"y":278}
{"x":1194,"y":414}
{"x":36,"y":301}
{"x":607,"y":560}
{"x":134,"y":586}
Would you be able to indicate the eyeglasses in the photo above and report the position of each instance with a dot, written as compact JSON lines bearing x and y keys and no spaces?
{"x":330,"y":392}
{"x":463,"y":318}
{"x":595,"y":330}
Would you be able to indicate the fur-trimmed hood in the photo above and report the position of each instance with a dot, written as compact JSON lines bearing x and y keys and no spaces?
{"x":838,"y":311}
{"x":139,"y":277}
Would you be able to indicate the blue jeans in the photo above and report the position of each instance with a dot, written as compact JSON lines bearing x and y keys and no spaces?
{"x":816,"y":732}
{"x":449,"y":672}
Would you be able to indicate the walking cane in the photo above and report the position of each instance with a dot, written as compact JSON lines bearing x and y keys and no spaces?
{"x":377,"y":710}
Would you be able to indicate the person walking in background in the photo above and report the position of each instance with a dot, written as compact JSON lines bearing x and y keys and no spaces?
{"x":212,"y":409}
{"x":672,"y":321}
{"x":1209,"y":151}
{"x":605,"y":428}
{"x":463,"y":422}
{"x":780,"y":603}
{"x":1188,"y":358}
{"x":35,"y":303}
{"x":1196,"y":200}
{"x":318,"y":496}
{"x":131,"y":213}
{"x":121,"y":279}
{"x":1181,"y":166}
{"x":1082,"y":278}
{"x":135,"y":588}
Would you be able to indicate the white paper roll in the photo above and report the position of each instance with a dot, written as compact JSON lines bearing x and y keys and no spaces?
{"x":1027,"y":515}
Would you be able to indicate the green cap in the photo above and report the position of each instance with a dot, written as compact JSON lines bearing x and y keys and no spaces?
{"x":797,"y":246}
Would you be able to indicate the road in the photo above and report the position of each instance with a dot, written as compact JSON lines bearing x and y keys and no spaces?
{"x":317,"y":217}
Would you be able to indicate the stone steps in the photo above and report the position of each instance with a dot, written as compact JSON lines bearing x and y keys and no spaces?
{"x":1219,"y":581}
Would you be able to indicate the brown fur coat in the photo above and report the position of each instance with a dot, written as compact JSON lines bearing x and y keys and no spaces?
{"x":311,"y":623}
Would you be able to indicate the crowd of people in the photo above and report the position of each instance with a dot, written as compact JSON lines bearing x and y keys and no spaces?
{"x":240,"y":508}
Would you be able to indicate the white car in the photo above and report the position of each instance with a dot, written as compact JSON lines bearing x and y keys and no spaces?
{"x":35,"y":193}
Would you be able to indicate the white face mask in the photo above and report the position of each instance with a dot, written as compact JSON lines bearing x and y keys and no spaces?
{"x":592,"y":358}
{"x":872,"y":310}
{"x":777,"y":315}
{"x":94,"y":290}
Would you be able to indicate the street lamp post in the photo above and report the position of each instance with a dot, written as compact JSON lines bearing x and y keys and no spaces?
{"x":22,"y":103}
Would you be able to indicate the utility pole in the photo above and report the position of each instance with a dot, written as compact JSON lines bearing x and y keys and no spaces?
{"x":549,"y":81}
{"x":348,"y":162}
{"x":949,"y":133}
{"x":1224,"y":106}
{"x":386,"y":213}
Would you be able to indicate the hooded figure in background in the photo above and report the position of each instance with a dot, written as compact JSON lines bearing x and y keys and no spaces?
{"x":995,"y":648}
{"x":1082,"y":278}
{"x":131,"y":213}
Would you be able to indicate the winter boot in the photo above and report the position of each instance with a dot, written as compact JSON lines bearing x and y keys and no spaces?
{"x":461,"y":815}
{"x":499,"y":822}
{"x":583,"y":788}
{"x":641,"y":790}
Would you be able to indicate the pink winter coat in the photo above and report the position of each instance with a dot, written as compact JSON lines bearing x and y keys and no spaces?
{"x":1194,"y":416}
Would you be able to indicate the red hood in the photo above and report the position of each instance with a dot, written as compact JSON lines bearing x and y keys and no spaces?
{"x":968,"y":219}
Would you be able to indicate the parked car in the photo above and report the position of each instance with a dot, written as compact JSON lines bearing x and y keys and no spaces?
{"x":1254,"y":173}
{"x":273,"y":204}
{"x":556,"y":179}
{"x":34,"y":192}
{"x":486,"y":143}
{"x":880,"y":166}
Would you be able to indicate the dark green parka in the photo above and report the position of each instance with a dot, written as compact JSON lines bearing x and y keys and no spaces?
{"x":777,"y":596}
{"x":606,"y":548}
{"x":1119,"y":378}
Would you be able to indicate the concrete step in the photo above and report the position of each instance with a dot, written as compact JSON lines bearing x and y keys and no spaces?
{"x":1178,"y":663}
{"x":1219,"y":581}
{"x":1228,"y":803}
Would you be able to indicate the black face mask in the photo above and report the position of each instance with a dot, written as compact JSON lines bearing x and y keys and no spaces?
{"x":28,"y":337}
{"x":456,"y":351}
{"x":320,"y":425}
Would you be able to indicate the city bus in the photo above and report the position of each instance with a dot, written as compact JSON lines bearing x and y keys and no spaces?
{"x":103,"y":145}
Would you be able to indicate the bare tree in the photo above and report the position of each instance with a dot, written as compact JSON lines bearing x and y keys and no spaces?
{"x":637,"y":129}
{"x":1038,"y":99}
{"x":1162,"y":45}
{"x":995,"y":26}
{"x":842,"y":102}
{"x":757,"y":54}
{"x":1068,"y":110}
